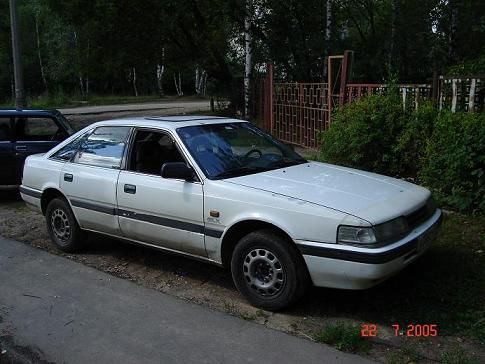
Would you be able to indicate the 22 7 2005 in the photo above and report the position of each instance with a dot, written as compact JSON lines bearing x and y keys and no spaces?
{"x":409,"y":330}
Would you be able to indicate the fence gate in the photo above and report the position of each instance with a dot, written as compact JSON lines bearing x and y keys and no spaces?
{"x":296,"y":112}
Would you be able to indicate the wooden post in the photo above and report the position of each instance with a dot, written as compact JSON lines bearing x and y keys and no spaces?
{"x":454,"y":95}
{"x":344,"y":76}
{"x":329,"y":88}
{"x":269,"y":93}
{"x":471,"y":97}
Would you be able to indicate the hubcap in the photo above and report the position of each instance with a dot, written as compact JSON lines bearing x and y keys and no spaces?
{"x":60,"y":225}
{"x":263,"y":272}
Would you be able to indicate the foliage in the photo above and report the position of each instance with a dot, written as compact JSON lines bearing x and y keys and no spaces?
{"x":363,"y":134}
{"x":454,"y":161}
{"x":446,"y":151}
{"x":66,"y":43}
{"x":344,"y":337}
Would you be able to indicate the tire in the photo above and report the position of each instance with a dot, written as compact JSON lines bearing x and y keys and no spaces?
{"x":268,"y":270}
{"x":63,"y":227}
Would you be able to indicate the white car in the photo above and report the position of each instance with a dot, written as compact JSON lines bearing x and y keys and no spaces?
{"x":223,"y":191}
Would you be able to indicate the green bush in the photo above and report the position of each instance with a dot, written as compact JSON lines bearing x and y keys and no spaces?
{"x":363,"y":134}
{"x":444,"y":151}
{"x":454,"y":161}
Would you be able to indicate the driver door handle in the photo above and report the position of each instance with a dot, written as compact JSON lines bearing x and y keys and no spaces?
{"x":21,"y":148}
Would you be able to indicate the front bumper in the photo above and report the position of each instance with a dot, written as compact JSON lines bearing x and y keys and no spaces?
{"x":349,"y":267}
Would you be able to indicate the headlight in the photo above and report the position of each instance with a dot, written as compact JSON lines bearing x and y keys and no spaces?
{"x":382,"y":233}
{"x":356,"y":235}
{"x":391,"y":230}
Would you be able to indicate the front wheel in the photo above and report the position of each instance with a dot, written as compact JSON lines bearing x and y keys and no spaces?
{"x":63,"y":227}
{"x":268,"y":271}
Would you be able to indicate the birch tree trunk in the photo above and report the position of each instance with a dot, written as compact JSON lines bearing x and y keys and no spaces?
{"x":328,"y":36}
{"x":42,"y":71}
{"x":393,"y":34}
{"x":178,"y":84}
{"x":133,"y":79}
{"x":248,"y":60}
{"x":453,"y":28}
{"x":160,"y":70}
{"x":200,"y":81}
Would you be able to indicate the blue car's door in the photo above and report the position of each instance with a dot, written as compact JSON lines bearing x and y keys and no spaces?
{"x":34,"y":134}
{"x":7,"y":159}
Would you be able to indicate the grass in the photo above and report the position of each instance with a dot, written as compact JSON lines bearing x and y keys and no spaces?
{"x":457,"y":356}
{"x":405,"y":355}
{"x":344,"y":337}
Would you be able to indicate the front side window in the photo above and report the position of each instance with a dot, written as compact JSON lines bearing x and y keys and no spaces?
{"x":236,"y":149}
{"x":104,"y":147}
{"x":152,"y":149}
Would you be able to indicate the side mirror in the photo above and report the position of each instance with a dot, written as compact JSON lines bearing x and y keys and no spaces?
{"x":177,"y":170}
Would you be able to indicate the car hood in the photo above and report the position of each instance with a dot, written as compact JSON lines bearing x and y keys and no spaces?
{"x":366,"y":195}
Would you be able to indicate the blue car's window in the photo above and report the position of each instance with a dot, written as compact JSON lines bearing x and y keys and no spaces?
{"x":104,"y":147}
{"x":5,"y":132}
{"x":235,"y":149}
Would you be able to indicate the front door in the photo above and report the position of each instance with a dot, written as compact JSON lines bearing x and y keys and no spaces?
{"x":7,"y":156}
{"x":158,"y":211}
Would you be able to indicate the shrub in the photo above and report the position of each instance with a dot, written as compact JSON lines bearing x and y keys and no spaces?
{"x":454,"y":161}
{"x":363,"y":134}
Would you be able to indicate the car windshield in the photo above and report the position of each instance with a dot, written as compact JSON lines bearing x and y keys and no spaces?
{"x":236,"y":149}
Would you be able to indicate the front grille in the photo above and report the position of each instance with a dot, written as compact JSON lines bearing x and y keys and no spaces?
{"x":420,"y":215}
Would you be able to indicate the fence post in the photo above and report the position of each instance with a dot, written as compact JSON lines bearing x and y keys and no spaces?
{"x":269,"y":93}
{"x":471,"y":97}
{"x":344,"y":77}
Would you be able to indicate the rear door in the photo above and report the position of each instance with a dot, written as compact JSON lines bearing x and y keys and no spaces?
{"x":89,"y":181}
{"x":7,"y":157}
{"x":34,"y":134}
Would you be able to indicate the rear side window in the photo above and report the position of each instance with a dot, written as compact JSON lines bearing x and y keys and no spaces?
{"x":104,"y":147}
{"x":35,"y":129}
{"x":5,"y":129}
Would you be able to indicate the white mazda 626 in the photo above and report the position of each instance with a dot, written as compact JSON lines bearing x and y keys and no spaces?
{"x":223,"y":191}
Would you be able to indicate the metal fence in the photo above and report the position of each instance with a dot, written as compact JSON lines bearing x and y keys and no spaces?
{"x":297,"y":112}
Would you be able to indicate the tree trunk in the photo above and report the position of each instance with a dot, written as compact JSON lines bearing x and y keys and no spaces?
{"x":248,"y":60}
{"x":178,"y":84}
{"x":393,"y":35}
{"x":160,"y":70}
{"x":453,"y":29}
{"x":42,"y":71}
{"x":328,"y":36}
{"x":81,"y":86}
{"x":133,"y":79}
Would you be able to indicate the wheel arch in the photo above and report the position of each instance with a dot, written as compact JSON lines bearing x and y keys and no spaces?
{"x":48,"y":195}
{"x":241,"y":228}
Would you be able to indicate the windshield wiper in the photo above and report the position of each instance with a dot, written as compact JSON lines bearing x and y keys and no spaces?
{"x":287,"y":163}
{"x":239,"y":171}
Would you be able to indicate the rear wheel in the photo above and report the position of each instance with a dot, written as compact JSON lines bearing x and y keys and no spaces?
{"x":63,"y":227}
{"x":268,"y":270}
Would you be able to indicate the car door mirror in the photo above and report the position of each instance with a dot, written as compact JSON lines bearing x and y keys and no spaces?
{"x":177,"y":170}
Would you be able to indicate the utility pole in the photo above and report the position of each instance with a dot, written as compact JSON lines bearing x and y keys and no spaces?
{"x":17,"y":61}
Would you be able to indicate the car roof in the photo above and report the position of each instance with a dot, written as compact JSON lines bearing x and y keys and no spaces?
{"x":169,"y":122}
{"x":29,"y":112}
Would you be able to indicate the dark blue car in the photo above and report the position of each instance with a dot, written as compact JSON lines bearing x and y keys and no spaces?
{"x":26,"y":132}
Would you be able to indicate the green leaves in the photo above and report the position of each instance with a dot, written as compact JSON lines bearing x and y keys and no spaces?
{"x":445,"y":151}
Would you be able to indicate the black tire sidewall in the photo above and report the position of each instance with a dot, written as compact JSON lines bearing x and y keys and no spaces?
{"x":75,"y":240}
{"x":288,"y":256}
